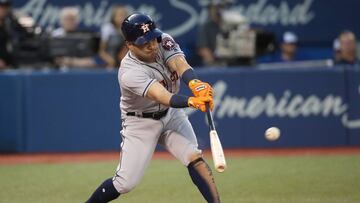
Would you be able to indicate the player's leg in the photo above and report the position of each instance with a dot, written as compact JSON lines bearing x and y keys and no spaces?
{"x":181,"y":142}
{"x":139,"y":141}
{"x":191,"y":157}
{"x":104,"y":193}
{"x":202,"y":177}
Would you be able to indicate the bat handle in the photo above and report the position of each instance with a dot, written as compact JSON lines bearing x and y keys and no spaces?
{"x":209,"y":117}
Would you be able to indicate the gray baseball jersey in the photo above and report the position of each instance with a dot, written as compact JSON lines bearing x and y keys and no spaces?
{"x":141,"y":135}
{"x":135,"y":78}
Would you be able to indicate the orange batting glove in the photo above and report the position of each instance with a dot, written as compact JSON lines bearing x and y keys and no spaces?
{"x":201,"y":89}
{"x":199,"y":103}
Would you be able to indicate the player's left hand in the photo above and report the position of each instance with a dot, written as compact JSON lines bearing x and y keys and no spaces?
{"x":200,"y":103}
{"x":201,"y":89}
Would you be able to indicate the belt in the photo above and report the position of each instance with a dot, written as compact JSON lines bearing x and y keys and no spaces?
{"x":154,"y":115}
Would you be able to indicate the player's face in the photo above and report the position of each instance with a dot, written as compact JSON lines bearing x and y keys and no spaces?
{"x":146,"y":52}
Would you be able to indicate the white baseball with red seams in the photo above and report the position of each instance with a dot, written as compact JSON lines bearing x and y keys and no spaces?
{"x":272,"y":133}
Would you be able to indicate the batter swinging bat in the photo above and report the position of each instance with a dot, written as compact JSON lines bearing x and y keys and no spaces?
{"x":216,"y":148}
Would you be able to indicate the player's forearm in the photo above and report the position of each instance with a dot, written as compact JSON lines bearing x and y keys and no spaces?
{"x":179,"y":64}
{"x":159,"y":94}
{"x":172,"y":100}
{"x":182,"y":101}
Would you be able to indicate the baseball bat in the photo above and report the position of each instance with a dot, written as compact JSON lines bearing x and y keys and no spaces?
{"x":216,"y":147}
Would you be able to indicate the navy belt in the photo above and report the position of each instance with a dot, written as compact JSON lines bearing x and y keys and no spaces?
{"x":154,"y":115}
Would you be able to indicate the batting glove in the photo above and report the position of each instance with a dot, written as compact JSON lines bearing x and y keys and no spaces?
{"x":199,"y":103}
{"x":201,"y":89}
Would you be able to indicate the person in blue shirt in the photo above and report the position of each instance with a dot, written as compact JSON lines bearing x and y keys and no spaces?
{"x":287,"y":52}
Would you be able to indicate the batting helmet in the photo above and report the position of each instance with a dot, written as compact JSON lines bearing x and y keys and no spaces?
{"x":139,"y":29}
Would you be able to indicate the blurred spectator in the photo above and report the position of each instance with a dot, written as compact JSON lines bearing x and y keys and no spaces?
{"x":10,"y":31}
{"x":4,"y":52}
{"x":287,"y":52}
{"x":347,"y":54}
{"x":226,"y":38}
{"x":289,"y":47}
{"x":69,"y":21}
{"x":336,"y":49}
{"x":206,"y":40}
{"x":112,"y":43}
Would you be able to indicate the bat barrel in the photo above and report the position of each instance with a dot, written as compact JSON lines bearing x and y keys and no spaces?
{"x":217,"y":152}
{"x":220,"y":169}
{"x":216,"y":147}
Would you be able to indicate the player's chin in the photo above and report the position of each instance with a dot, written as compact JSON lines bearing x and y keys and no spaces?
{"x":149,"y":58}
{"x":152,"y":56}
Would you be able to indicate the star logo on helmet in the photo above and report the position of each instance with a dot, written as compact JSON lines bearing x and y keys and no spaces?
{"x":145,"y":28}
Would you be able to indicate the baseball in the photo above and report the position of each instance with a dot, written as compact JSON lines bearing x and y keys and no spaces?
{"x":272,"y":133}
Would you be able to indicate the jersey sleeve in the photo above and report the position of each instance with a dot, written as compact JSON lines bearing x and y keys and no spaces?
{"x":169,"y":48}
{"x":137,"y":82}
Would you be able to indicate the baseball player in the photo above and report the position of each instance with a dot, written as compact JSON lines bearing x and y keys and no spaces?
{"x":151,"y":110}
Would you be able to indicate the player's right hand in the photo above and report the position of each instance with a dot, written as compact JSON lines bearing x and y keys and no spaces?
{"x":199,"y":103}
{"x":201,"y":89}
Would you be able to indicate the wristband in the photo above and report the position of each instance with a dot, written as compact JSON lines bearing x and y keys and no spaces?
{"x":189,"y":75}
{"x":179,"y":101}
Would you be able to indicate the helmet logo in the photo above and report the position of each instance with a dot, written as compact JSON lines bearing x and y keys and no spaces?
{"x":145,"y":28}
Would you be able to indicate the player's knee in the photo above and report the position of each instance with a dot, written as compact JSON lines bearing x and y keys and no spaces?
{"x":128,"y":187}
{"x":124,"y":186}
{"x":195,"y":162}
{"x":189,"y":154}
{"x":194,"y":156}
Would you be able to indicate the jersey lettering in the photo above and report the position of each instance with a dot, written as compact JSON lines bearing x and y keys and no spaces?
{"x":174,"y":76}
{"x":163,"y":83}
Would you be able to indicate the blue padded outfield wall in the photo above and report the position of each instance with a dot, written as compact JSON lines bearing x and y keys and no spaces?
{"x":50,"y":111}
{"x":352,"y":119}
{"x":56,"y":111}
